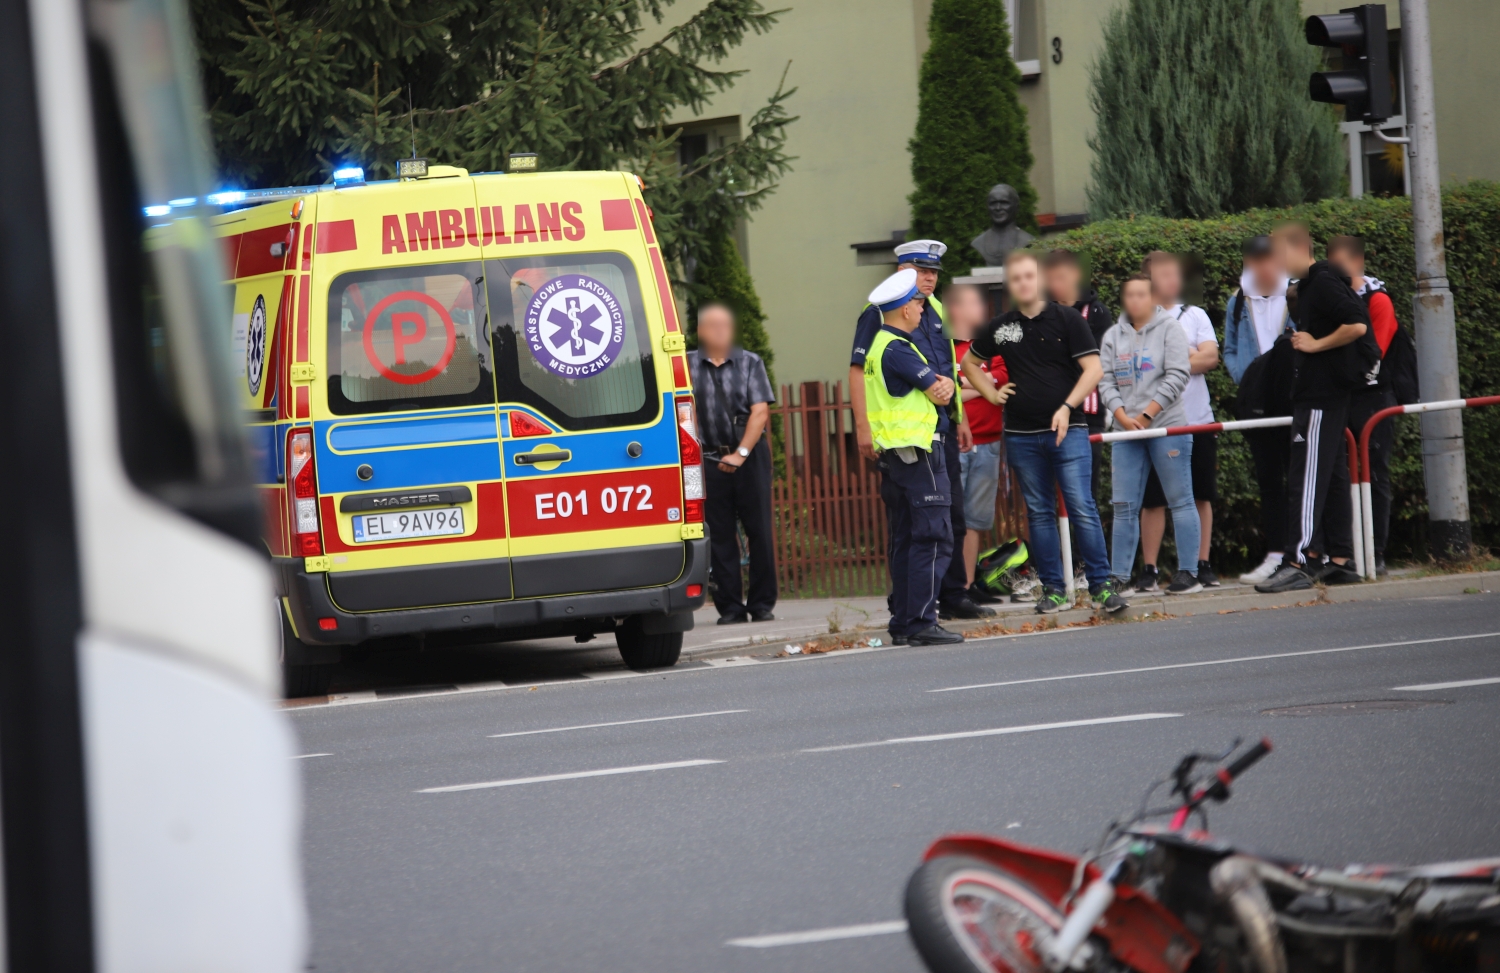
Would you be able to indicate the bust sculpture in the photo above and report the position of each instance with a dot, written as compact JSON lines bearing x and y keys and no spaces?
{"x":1003,"y":236}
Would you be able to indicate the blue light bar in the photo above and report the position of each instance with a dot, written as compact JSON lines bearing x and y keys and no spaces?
{"x":226,"y":198}
{"x":185,"y":201}
{"x":350,"y":176}
{"x":158,"y":211}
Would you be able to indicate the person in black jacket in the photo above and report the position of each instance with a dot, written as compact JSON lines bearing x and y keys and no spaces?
{"x":1065,"y":286}
{"x":1332,"y":322}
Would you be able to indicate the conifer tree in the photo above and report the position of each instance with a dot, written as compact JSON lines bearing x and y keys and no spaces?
{"x":297,"y":88}
{"x":971,"y":128}
{"x":1201,"y":109}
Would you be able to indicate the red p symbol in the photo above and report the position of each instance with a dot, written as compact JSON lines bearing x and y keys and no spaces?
{"x":400,"y":338}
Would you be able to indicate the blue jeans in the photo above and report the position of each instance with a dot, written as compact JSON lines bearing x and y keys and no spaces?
{"x":1043,"y":467}
{"x":1131,"y":464}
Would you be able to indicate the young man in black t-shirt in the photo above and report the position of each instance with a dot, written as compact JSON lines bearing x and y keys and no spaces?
{"x":1053,"y":364}
{"x":1330,"y":320}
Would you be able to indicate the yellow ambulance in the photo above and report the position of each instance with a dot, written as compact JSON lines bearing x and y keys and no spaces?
{"x":469,"y":404}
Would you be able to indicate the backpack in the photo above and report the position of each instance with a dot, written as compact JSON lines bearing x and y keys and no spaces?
{"x":1400,"y":368}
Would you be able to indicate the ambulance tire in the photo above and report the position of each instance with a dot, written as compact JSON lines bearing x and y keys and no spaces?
{"x":647,"y":651}
{"x":300,"y":680}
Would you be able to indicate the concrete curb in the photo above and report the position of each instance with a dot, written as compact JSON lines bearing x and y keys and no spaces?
{"x":1233,"y":597}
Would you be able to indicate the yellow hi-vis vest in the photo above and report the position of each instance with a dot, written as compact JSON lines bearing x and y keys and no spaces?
{"x":956,"y":407}
{"x":910,"y":420}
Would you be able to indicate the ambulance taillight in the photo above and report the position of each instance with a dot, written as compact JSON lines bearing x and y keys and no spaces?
{"x":692,"y":463}
{"x":302,"y":482}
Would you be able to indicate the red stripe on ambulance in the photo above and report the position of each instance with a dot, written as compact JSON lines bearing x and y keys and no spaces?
{"x":336,"y":237}
{"x":489,"y":512}
{"x":543,"y":505}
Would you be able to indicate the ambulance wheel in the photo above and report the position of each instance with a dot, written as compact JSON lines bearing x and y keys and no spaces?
{"x":643,"y":651}
{"x":298,"y":679}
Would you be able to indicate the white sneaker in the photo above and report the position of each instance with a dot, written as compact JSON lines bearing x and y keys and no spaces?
{"x":1268,"y":567}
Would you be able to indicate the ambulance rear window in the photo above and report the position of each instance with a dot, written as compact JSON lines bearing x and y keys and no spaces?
{"x":408,"y":338}
{"x":571,"y":338}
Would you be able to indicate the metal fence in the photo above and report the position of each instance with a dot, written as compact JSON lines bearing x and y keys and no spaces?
{"x":825,"y":501}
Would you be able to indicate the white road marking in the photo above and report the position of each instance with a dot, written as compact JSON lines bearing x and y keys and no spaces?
{"x":304,"y":756}
{"x":999,"y":731}
{"x":821,"y":935}
{"x":1462,"y":683}
{"x":595,"y":726}
{"x":577,"y":775}
{"x":1213,"y":662}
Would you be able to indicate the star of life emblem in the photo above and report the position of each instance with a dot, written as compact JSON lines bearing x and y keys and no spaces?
{"x":575,"y":326}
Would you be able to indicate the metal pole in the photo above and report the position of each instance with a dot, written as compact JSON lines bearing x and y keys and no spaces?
{"x":1437,"y":343}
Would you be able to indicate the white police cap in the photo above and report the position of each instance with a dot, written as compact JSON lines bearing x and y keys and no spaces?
{"x":895,"y":291}
{"x":922,"y":253}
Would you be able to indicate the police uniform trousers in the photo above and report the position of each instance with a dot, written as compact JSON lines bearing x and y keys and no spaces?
{"x":956,"y":579}
{"x":743,"y":496}
{"x":918,"y":500}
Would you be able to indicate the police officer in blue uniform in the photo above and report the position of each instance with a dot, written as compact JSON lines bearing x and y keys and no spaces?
{"x":925,"y":257}
{"x":906,"y":400}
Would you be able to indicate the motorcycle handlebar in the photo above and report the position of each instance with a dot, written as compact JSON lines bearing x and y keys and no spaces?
{"x":1247,"y":759}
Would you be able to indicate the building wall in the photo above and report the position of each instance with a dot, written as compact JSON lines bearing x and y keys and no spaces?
{"x":855,"y":67}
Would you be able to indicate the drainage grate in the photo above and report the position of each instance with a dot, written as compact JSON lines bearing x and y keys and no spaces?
{"x":1354,"y":707}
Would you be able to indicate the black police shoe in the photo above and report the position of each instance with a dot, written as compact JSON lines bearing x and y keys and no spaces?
{"x":981,"y":597}
{"x":936,"y":635}
{"x":762,"y":617}
{"x":963,"y":607}
{"x":897,"y":639}
{"x":733,"y":619}
{"x":1288,"y":577}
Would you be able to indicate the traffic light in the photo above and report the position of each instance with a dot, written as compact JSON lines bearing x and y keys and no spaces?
{"x":1364,"y":88}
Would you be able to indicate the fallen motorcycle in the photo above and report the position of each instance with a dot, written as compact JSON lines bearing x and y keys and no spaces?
{"x":1160,"y":895}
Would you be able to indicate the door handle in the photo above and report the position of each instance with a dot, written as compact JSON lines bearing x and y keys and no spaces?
{"x":550,"y":456}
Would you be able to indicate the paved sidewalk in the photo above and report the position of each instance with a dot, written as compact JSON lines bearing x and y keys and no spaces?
{"x":823,"y":621}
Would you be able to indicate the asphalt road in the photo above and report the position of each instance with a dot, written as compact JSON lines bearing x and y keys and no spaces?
{"x":771,"y":821}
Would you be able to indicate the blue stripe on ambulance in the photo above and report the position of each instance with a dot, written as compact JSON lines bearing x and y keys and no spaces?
{"x":347,"y":436}
{"x":601,"y":450}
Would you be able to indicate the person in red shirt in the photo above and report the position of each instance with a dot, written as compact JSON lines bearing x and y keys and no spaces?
{"x":980,"y":466}
{"x":1348,"y":254}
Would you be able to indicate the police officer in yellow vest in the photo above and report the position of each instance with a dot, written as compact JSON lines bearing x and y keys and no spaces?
{"x":930,"y":339}
{"x":905,"y":402}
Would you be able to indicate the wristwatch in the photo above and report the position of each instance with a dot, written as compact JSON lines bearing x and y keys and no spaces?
{"x":744,"y":453}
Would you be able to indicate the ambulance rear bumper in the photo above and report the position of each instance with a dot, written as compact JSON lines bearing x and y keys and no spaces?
{"x":665,"y":608}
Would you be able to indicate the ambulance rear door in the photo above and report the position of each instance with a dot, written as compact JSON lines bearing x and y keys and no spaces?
{"x":593,"y":485}
{"x":411,"y":502}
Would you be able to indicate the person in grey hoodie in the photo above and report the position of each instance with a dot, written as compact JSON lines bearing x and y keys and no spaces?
{"x":1146,"y":367}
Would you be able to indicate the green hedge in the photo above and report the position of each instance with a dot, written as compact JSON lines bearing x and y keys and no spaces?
{"x":1114,"y":248}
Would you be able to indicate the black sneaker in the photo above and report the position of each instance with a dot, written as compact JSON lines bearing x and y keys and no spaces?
{"x":1146,"y":581}
{"x":963,"y":607}
{"x":936,"y":635}
{"x":1288,"y":577}
{"x":1206,"y":576}
{"x":1049,"y":602}
{"x":979,"y":596}
{"x":1339,"y":574}
{"x":1184,"y":584}
{"x":1380,"y":568}
{"x":1107,"y":596}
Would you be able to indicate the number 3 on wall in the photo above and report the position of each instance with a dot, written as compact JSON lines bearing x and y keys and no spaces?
{"x":1057,"y":50}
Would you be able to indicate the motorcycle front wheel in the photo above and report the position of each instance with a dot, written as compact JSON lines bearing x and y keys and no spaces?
{"x":965,"y":915}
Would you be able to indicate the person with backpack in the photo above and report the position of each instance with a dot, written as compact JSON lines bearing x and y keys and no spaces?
{"x":1348,"y":253}
{"x":1334,"y":353}
{"x":1257,"y":353}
